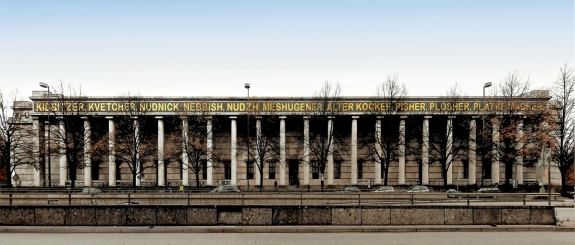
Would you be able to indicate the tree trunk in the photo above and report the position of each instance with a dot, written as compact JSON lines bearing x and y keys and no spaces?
{"x":321,"y":180}
{"x":385,"y":168}
{"x":444,"y":168}
{"x":197,"y":179}
{"x":508,"y":173}
{"x":72,"y":173}
{"x":563,"y":180}
{"x":385,"y":173}
{"x":261,"y":179}
{"x":134,"y":176}
{"x":7,"y":174}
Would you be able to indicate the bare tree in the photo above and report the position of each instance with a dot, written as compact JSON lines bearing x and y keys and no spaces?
{"x":194,"y":132}
{"x":513,"y":115}
{"x":16,"y":138}
{"x":384,"y":145}
{"x":133,"y":146}
{"x":264,"y":145}
{"x":323,"y":141}
{"x":71,"y":133}
{"x":564,"y":92}
{"x":447,"y":127}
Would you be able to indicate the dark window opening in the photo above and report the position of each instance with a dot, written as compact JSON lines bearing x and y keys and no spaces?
{"x":272,"y":170}
{"x":250,"y":167}
{"x":227,"y":170}
{"x":337,"y":170}
{"x":314,"y":170}
{"x":360,"y":169}
{"x":95,"y":171}
{"x":486,"y":165}
{"x":465,"y":169}
{"x":118,"y":170}
{"x":420,"y":170}
{"x":204,"y":169}
{"x":293,"y":170}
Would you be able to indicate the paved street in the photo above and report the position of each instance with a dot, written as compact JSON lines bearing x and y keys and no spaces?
{"x":433,"y":238}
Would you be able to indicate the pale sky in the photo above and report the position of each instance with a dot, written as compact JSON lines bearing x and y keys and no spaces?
{"x":283,"y":48}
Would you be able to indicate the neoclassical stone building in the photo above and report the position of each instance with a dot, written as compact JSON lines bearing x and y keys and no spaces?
{"x":355,"y":120}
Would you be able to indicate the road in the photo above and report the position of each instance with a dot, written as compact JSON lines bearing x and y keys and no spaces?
{"x":428,"y":238}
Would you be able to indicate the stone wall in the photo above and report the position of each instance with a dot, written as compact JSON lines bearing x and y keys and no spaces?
{"x":143,"y":215}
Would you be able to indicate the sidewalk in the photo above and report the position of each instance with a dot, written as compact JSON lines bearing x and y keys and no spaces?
{"x":283,"y":229}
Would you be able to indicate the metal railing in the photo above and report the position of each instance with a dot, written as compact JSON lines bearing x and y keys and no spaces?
{"x":273,"y":198}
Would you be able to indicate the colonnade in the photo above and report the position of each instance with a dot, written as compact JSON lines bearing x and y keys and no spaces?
{"x":37,"y":127}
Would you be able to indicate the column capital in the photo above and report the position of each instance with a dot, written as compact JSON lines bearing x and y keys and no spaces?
{"x":354,"y":117}
{"x":330,"y":117}
{"x":109,"y":117}
{"x":134,"y":117}
{"x":259,"y":117}
{"x":233,"y":117}
{"x":427,"y":117}
{"x":403,"y":117}
{"x":306,"y":117}
{"x":59,"y":117}
{"x":379,"y":117}
{"x":159,"y":117}
{"x":451,"y":117}
{"x":85,"y":117}
{"x":184,"y":117}
{"x":282,"y":117}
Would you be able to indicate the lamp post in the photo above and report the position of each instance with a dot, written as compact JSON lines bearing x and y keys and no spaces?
{"x":486,"y":85}
{"x":44,"y":85}
{"x":247,"y":86}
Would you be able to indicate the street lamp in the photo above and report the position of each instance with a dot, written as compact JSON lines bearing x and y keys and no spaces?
{"x":247,"y":86}
{"x":44,"y":85}
{"x":486,"y":85}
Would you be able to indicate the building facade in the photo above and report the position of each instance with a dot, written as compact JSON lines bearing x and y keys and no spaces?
{"x":434,"y":141}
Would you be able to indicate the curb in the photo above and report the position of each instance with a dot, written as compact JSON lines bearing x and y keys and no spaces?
{"x":280,"y":229}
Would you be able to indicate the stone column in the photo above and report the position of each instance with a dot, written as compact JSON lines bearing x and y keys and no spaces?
{"x":161,"y":165}
{"x":209,"y":146}
{"x":495,"y":155}
{"x":472,"y":152}
{"x":233,"y":154}
{"x":185,"y":159}
{"x":37,"y":127}
{"x":425,"y":151}
{"x":519,"y":157}
{"x":258,"y":149}
{"x":306,"y":150}
{"x":354,"y":150}
{"x":87,"y":149}
{"x":401,"y":162}
{"x":330,"y":173}
{"x":378,"y":150}
{"x":282,"y":151}
{"x":112,"y":151}
{"x":139,"y":170}
{"x":63,"y":159}
{"x":449,"y":150}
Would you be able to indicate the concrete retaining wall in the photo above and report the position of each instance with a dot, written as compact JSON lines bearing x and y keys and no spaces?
{"x":140,"y":215}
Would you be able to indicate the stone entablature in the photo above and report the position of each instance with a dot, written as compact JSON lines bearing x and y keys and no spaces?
{"x":280,"y":105}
